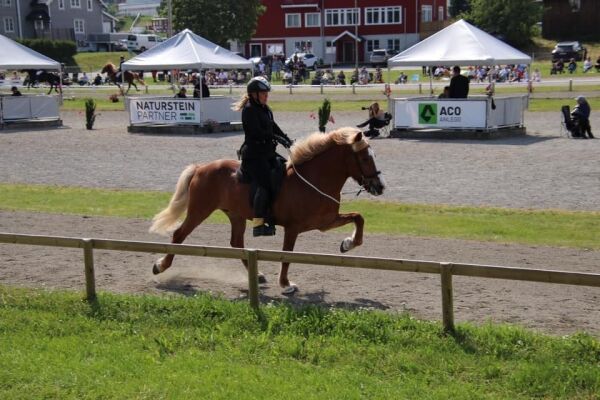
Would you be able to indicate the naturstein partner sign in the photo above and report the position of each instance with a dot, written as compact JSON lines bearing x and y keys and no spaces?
{"x":443,"y":114}
{"x":164,"y":111}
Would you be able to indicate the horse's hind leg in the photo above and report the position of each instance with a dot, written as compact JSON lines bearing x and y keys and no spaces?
{"x":192,"y":220}
{"x":238,"y":227}
{"x":289,"y":241}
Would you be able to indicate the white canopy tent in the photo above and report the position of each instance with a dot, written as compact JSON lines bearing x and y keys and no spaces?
{"x":14,"y":55}
{"x":186,"y":50}
{"x":459,"y":44}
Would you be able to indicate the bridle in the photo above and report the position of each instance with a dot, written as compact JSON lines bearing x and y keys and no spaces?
{"x":366,"y":181}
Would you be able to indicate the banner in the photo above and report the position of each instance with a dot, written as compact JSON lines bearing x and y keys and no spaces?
{"x":164,"y":111}
{"x":441,"y":114}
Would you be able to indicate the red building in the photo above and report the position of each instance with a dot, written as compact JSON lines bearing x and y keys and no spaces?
{"x":335,"y":29}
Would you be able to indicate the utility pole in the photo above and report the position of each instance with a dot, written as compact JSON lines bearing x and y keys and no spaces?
{"x":170,"y":22}
{"x":356,"y":34}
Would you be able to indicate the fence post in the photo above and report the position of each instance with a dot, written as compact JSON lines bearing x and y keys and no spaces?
{"x":354,"y":88}
{"x":321,"y":88}
{"x":570,"y":85}
{"x":253,"y":278}
{"x":88,"y":259}
{"x":420,"y":89}
{"x":447,"y":302}
{"x":290,"y":88}
{"x":230,"y":88}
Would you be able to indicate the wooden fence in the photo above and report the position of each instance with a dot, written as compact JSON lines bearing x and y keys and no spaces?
{"x":445,"y":270}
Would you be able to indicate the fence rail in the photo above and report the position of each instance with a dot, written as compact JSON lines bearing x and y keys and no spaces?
{"x":252,"y":256}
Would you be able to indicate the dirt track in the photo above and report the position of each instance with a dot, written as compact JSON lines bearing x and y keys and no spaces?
{"x":538,"y":171}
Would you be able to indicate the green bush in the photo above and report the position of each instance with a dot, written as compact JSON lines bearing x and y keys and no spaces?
{"x":60,"y":50}
{"x":90,"y":113}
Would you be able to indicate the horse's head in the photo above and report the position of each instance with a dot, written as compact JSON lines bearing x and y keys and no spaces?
{"x":362,"y":166}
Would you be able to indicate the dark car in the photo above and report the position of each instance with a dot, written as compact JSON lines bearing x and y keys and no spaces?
{"x":568,"y":50}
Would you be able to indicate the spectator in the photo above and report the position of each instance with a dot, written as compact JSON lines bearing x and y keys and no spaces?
{"x":537,"y":76}
{"x":15,"y":91}
{"x":587,"y":65}
{"x":341,"y":78}
{"x":581,"y":114}
{"x":84,"y":80}
{"x":181,"y":94}
{"x":402,"y":78}
{"x":597,"y":65}
{"x":287,"y":77}
{"x":459,"y":84}
{"x":277,"y":67}
{"x":201,"y":88}
{"x":97,"y":80}
{"x":445,"y":94}
{"x":572,"y":67}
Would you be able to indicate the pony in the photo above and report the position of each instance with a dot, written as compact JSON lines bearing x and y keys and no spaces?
{"x":39,"y":76}
{"x":309,"y":198}
{"x":128,"y":76}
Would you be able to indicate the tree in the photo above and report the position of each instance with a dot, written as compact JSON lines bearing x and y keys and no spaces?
{"x":458,"y":7}
{"x":512,"y":20}
{"x":217,"y":21}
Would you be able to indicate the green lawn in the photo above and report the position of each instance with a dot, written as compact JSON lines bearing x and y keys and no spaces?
{"x":552,"y":228}
{"x":56,"y":346}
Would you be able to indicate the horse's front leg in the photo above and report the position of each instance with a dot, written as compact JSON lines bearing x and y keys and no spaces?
{"x":357,"y":236}
{"x":289,"y":241}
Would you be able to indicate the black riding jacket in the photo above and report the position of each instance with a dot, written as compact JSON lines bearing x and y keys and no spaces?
{"x":261,"y":131}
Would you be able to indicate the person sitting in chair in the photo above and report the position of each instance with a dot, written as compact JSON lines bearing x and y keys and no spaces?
{"x":581,"y":115}
{"x":15,"y":91}
{"x":377,"y":119}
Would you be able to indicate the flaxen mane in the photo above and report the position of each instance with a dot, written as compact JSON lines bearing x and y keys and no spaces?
{"x":317,"y":143}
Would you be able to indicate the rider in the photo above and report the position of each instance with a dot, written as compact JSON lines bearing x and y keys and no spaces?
{"x":258,"y":151}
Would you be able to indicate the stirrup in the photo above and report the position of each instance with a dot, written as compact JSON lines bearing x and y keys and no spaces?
{"x":263,"y":230}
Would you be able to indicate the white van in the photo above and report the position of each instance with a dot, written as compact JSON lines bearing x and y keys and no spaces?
{"x":141,"y":43}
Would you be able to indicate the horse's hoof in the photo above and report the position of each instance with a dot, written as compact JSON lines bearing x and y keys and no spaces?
{"x":346,"y":245}
{"x":290,"y":289}
{"x":156,"y":269}
{"x":262,"y":278}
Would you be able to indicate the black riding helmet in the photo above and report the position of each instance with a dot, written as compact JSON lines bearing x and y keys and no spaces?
{"x":258,"y":84}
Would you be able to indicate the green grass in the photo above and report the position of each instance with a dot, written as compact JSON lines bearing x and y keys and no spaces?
{"x":552,"y":228}
{"x":54,"y":345}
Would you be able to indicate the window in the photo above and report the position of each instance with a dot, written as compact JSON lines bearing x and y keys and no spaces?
{"x":79,"y":25}
{"x":6,"y":3}
{"x":75,"y":3}
{"x":89,"y":5}
{"x":61,"y":4}
{"x":372,"y":44}
{"x":575,"y":5}
{"x":342,"y":17}
{"x":312,"y":19}
{"x":440,"y":13}
{"x":303,"y":46}
{"x":255,"y":49}
{"x":9,"y":25}
{"x":292,"y":21}
{"x":393,"y":44}
{"x":426,"y":13}
{"x":38,"y":24}
{"x":383,"y":15}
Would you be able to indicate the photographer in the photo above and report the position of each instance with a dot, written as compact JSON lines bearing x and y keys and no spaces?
{"x":377,"y":119}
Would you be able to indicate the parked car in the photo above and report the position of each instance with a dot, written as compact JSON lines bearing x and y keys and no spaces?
{"x":310,"y":60}
{"x":380,"y":57}
{"x":568,"y":50}
{"x":141,"y":43}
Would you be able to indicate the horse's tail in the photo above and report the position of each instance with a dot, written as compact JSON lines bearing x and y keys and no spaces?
{"x":165,"y":220}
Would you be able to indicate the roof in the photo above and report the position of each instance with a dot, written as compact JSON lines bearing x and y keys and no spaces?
{"x":14,"y":55}
{"x":186,"y":50}
{"x":459,"y":44}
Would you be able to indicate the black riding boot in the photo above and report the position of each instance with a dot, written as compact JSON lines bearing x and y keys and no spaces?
{"x":261,"y":208}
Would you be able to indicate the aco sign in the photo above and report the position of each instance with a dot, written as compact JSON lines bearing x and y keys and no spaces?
{"x":441,"y":114}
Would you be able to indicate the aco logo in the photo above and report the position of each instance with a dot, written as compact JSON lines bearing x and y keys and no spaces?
{"x":428,"y":113}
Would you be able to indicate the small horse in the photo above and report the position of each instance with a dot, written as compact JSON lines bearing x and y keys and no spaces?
{"x":39,"y":76}
{"x":128,"y":77}
{"x":326,"y":161}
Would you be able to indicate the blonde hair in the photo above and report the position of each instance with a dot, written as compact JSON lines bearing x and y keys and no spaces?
{"x":241,"y":103}
{"x":374,"y":109}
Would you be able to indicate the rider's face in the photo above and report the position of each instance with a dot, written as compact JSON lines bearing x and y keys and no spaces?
{"x":263,"y":97}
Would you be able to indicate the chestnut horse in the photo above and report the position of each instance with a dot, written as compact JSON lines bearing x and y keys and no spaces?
{"x":128,"y":77}
{"x":324,"y":160}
